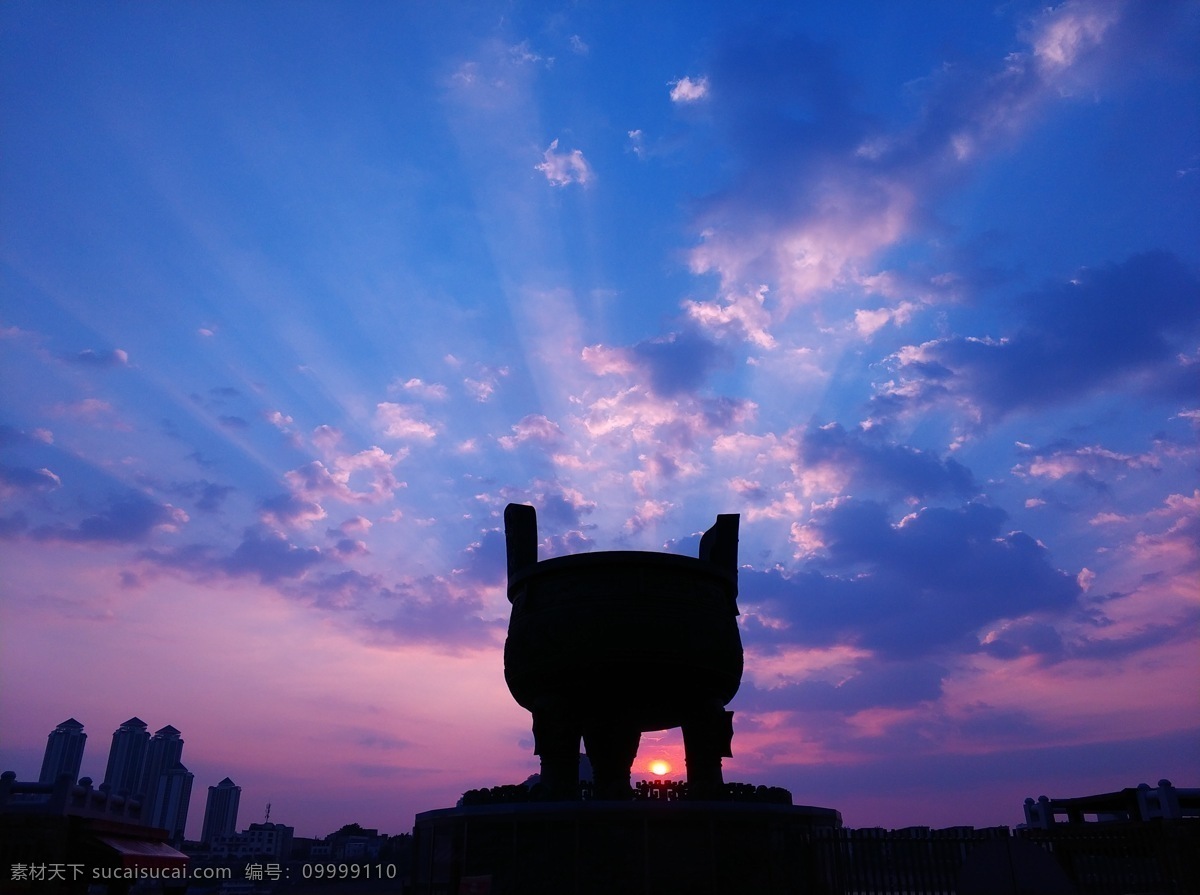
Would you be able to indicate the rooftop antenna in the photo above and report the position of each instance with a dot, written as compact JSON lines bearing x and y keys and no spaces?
{"x":267,"y":818}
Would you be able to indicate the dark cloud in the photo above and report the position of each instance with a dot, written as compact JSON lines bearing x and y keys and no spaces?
{"x":233,"y":422}
{"x":485,"y":562}
{"x":24,"y":478}
{"x":1151,"y":637}
{"x":263,"y":554}
{"x":1013,"y":754}
{"x":431,"y":610}
{"x":10,"y":435}
{"x":1026,"y":637}
{"x":1123,"y":326}
{"x":557,"y":509}
{"x":200,"y":560}
{"x":907,"y":590}
{"x":290,"y":509}
{"x":347,"y":547}
{"x":206,"y":496}
{"x":270,"y":557}
{"x":677,"y":362}
{"x":127,"y":519}
{"x":1034,"y":637}
{"x":373,"y":740}
{"x":782,"y":90}
{"x":897,"y":468}
{"x":341,"y":590}
{"x":568,"y":543}
{"x":89,"y":357}
{"x":878,"y":685}
{"x":13,"y":525}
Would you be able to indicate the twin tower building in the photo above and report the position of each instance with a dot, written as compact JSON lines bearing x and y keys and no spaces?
{"x":141,"y":766}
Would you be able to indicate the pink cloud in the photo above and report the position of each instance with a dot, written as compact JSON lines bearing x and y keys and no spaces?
{"x":315,"y":480}
{"x":404,"y":422}
{"x":532,"y":428}
{"x":85,"y":409}
{"x":290,"y":511}
{"x":742,"y":313}
{"x":431,"y":391}
{"x":1089,"y":460}
{"x":646,"y":514}
{"x":604,"y":360}
{"x":15,"y":480}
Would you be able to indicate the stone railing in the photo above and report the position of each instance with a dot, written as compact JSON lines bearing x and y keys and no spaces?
{"x":66,"y":797}
{"x":644,"y":791}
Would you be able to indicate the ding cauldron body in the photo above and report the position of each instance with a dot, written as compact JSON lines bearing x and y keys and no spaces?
{"x":603,"y":646}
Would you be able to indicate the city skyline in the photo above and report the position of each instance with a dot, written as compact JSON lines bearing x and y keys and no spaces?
{"x":297,"y":298}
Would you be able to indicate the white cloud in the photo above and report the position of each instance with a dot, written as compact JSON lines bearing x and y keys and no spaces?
{"x":637,"y":142}
{"x":685,"y":90}
{"x":1071,"y":30}
{"x":278,"y":419}
{"x":522,"y":53}
{"x":562,"y":168}
{"x":483,"y":386}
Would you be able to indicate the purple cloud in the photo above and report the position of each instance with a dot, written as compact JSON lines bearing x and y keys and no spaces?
{"x":881,"y":684}
{"x":677,"y":362}
{"x":1122,"y":326}
{"x":898,"y":468}
{"x":434,"y":610}
{"x":290,"y":510}
{"x":270,"y":556}
{"x":114,"y":357}
{"x":207,"y":496}
{"x":266,"y":555}
{"x":14,"y":479}
{"x":127,"y":519}
{"x":916,"y":588}
{"x":485,"y":561}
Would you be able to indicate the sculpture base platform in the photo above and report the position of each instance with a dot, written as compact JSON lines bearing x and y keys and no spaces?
{"x":581,"y":848}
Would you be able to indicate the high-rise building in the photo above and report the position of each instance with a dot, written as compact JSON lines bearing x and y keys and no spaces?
{"x":64,"y":752}
{"x":220,"y":812}
{"x":126,"y":756}
{"x":168,"y":802}
{"x":163,"y":752}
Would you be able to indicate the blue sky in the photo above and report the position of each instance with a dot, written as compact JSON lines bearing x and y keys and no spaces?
{"x":296,"y":297}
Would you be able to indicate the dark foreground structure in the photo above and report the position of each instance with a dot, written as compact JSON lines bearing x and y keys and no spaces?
{"x":605,"y":646}
{"x":66,"y":837}
{"x":586,"y":634}
{"x":714,"y":849}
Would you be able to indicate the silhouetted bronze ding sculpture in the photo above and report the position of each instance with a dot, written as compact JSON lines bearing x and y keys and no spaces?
{"x":603,"y":646}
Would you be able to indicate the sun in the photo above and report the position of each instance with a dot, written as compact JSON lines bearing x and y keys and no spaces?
{"x":659,"y":768}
